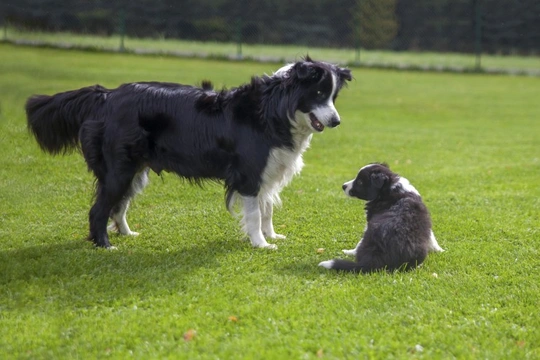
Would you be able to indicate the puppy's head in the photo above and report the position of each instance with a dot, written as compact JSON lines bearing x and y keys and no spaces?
{"x":316,"y":85}
{"x":371,"y":180}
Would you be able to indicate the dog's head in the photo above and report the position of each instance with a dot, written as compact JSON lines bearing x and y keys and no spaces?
{"x":314,"y":88}
{"x":371,"y":181}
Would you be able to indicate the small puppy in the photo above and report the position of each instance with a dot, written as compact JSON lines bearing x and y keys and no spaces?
{"x":398,"y":234}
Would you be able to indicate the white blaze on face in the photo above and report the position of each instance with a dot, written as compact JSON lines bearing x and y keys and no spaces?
{"x":347,"y":187}
{"x":327,"y":111}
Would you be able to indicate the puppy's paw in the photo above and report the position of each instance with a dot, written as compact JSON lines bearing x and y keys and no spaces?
{"x":351,"y":252}
{"x":328,"y":264}
{"x":278,"y":237}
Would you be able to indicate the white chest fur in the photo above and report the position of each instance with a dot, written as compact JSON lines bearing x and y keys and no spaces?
{"x":281,"y":167}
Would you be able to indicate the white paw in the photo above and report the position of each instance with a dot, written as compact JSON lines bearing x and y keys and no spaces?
{"x":112,"y":227}
{"x":328,"y":264}
{"x":351,"y":252}
{"x":266,"y":246}
{"x":278,"y":237}
{"x":132,"y":233}
{"x":437,"y":249}
{"x":112,"y":248}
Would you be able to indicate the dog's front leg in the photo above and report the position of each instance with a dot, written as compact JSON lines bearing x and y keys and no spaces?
{"x":352,"y":252}
{"x":266,"y":218}
{"x":252,"y":222}
{"x":433,"y":244}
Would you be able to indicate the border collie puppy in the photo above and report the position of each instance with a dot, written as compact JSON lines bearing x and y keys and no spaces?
{"x":398,"y":234}
{"x":251,"y":138}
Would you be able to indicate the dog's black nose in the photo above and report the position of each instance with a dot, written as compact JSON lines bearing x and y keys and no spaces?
{"x":344,"y":186}
{"x":334,"y":122}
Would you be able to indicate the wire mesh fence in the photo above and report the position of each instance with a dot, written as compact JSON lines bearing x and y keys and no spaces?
{"x":488,"y":35}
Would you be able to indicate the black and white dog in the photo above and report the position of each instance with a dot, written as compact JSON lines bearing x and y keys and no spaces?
{"x":251,"y":137}
{"x":398,"y":233}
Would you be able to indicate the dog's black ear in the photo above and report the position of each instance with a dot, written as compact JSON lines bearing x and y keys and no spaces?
{"x":378,"y":180}
{"x":344,"y":74}
{"x":307,"y":72}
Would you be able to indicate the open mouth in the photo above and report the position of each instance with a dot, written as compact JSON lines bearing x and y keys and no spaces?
{"x":315,"y":123}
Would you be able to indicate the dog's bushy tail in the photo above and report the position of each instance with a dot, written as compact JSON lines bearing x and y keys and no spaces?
{"x":55,"y":120}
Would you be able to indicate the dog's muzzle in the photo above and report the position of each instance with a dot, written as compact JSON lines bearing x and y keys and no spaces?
{"x":334,"y":121}
{"x":319,"y":126}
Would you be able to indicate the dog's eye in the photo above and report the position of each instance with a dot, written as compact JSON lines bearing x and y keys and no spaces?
{"x":319,"y":93}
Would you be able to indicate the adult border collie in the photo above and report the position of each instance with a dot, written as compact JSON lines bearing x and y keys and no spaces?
{"x":398,"y":234}
{"x":251,"y":137}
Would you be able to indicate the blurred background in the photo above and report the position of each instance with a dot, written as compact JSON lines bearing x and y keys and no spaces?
{"x":454,"y":35}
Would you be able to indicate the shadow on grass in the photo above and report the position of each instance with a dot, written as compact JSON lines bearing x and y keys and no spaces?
{"x":74,"y":272}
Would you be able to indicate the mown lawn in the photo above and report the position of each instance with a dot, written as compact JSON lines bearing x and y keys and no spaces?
{"x":188,"y":288}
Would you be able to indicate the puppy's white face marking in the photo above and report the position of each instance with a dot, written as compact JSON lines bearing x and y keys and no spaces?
{"x":347,"y":187}
{"x":327,"y":264}
{"x":404,"y":185}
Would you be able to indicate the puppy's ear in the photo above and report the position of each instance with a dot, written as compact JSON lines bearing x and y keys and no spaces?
{"x":378,"y":180}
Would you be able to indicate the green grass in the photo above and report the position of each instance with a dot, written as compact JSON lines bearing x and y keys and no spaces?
{"x":527,"y":64}
{"x":469,"y":143}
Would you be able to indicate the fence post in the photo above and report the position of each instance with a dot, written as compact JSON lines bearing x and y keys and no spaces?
{"x":122,"y":29}
{"x":359,"y":29}
{"x":478,"y":35}
{"x":239,"y":38}
{"x":357,"y":53}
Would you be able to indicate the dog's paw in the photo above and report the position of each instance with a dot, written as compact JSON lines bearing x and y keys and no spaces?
{"x":278,"y":237}
{"x":351,"y":252}
{"x":328,"y":264}
{"x":267,"y":246}
{"x":132,"y":233}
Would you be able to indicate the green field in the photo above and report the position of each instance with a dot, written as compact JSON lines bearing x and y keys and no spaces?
{"x":189,"y":288}
{"x":377,"y":58}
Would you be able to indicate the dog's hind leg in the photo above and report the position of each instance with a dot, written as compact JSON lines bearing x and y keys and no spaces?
{"x":252,"y":222}
{"x":110,"y":192}
{"x":118,"y":213}
{"x":266,"y":220}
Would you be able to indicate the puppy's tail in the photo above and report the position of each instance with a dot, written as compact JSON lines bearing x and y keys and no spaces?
{"x":55,"y":120}
{"x":344,"y":265}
